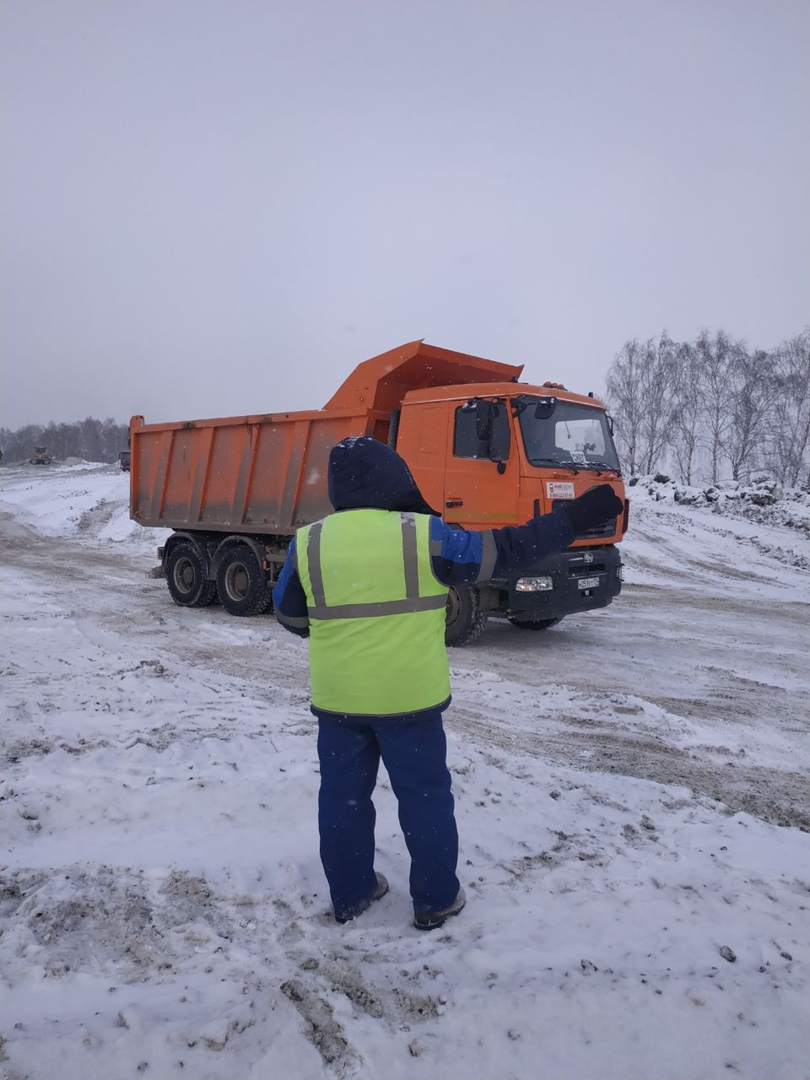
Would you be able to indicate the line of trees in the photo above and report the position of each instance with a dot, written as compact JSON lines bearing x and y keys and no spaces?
{"x":712,"y":409}
{"x":90,"y":439}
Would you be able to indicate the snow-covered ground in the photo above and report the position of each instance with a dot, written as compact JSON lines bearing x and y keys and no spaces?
{"x":633,"y":798}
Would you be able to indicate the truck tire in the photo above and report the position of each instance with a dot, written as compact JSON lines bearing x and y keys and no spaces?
{"x":241,"y":582}
{"x":464,"y":621}
{"x":534,"y":624}
{"x":186,"y":576}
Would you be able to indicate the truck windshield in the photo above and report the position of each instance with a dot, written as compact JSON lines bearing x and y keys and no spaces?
{"x":564,"y":433}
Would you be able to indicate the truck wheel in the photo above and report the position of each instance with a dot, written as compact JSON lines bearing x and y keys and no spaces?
{"x":186,"y":576}
{"x":464,"y":621}
{"x":241,"y":582}
{"x":534,"y":624}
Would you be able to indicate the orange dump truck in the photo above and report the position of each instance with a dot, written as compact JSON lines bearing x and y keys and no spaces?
{"x":484,"y":448}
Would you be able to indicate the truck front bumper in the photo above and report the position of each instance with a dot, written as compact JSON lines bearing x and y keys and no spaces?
{"x":580,"y":579}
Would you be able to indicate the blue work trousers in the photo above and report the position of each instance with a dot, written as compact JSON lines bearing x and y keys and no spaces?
{"x":414,"y":753}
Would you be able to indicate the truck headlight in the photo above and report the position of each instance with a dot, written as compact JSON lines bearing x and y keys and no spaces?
{"x":534,"y":584}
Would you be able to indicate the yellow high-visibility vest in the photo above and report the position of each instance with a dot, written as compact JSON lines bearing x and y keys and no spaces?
{"x":376,"y":613}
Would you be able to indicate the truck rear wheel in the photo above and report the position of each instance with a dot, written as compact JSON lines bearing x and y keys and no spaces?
{"x":186,"y":576}
{"x":464,"y":621}
{"x":241,"y":582}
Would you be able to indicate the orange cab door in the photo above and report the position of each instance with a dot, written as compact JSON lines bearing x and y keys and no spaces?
{"x":422,"y":441}
{"x":480,"y":493}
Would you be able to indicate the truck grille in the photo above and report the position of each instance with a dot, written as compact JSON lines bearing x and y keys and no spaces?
{"x":594,"y":569}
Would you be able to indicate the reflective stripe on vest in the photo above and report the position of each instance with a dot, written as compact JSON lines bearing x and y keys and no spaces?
{"x":412,"y":601}
{"x":376,"y":613}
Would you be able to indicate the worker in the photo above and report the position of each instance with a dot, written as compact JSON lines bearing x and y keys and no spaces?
{"x":368,"y":585}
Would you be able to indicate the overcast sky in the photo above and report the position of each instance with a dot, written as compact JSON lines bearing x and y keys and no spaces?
{"x":214,"y":207}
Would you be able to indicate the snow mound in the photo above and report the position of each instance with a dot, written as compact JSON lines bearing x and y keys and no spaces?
{"x":76,"y":499}
{"x":763,"y":501}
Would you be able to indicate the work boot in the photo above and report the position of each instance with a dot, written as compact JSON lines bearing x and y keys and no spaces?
{"x":381,"y":890}
{"x":429,"y":920}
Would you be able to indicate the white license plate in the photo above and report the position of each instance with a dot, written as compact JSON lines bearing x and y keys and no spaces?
{"x":588,"y":582}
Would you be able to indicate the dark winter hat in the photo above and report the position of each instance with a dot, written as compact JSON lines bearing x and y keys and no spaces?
{"x":365,"y":473}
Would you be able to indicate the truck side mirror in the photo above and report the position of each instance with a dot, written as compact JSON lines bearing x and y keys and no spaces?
{"x":491,"y":428}
{"x":500,"y":439}
{"x":484,"y":416}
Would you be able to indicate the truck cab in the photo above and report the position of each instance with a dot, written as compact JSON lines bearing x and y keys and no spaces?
{"x":489,"y":456}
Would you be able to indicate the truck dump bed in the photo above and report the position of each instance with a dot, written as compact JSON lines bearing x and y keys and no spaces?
{"x":266,"y":474}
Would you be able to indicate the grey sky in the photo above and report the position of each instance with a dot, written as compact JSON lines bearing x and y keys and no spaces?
{"x":213,"y":207}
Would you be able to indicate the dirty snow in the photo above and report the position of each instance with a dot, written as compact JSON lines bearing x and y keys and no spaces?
{"x":633,"y":799}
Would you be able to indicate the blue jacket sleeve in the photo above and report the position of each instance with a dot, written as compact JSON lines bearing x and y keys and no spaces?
{"x":462,"y":557}
{"x":289,"y":598}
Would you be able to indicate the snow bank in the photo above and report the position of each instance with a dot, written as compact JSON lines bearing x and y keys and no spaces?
{"x":80,"y":499}
{"x":763,"y":501}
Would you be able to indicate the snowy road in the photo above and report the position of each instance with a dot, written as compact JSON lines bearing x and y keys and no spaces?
{"x":633,"y":797}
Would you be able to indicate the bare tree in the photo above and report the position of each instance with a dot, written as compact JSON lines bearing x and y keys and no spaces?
{"x":712,"y":402}
{"x":641,"y":389}
{"x":790,"y":422}
{"x":624,"y":397}
{"x":687,"y":420}
{"x":753,"y":393}
{"x":659,"y":390}
{"x":716,"y":356}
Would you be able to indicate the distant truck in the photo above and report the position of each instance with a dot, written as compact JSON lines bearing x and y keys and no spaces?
{"x":485,"y":449}
{"x":124,"y":460}
{"x":40,"y":456}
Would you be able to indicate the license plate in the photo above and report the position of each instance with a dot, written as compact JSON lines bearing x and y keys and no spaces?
{"x":588,"y":582}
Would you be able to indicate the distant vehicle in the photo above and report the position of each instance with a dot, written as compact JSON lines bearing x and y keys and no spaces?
{"x":40,"y":456}
{"x":123,"y":460}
